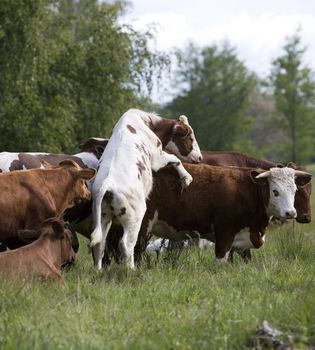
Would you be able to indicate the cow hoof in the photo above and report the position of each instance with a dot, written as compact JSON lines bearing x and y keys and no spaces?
{"x":185,"y":182}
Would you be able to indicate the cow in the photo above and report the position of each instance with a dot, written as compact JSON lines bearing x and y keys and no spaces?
{"x":302,"y":201}
{"x":42,"y":258}
{"x":226,"y":205}
{"x":92,"y":150}
{"x":30,"y":196}
{"x":124,"y":178}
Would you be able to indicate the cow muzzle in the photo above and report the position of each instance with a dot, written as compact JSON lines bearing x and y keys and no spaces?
{"x":304,"y":219}
{"x":290,"y":214}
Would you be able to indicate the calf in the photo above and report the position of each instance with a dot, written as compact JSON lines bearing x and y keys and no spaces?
{"x":302,"y":202}
{"x":28,"y":197}
{"x":226,"y":205}
{"x":42,"y":258}
{"x":124,"y":178}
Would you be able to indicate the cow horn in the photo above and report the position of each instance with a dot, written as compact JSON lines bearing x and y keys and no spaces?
{"x":264,"y":174}
{"x":301,"y":173}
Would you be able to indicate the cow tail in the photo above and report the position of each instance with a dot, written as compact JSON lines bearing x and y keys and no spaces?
{"x":97,"y":235}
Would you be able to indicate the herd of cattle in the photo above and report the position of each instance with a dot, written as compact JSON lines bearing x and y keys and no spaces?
{"x":118,"y":192}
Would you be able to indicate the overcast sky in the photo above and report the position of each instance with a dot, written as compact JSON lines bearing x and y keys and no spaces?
{"x":256,"y":28}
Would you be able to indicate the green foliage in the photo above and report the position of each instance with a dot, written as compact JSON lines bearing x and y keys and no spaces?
{"x":68,"y":70}
{"x":217,"y":87}
{"x":294,"y":90}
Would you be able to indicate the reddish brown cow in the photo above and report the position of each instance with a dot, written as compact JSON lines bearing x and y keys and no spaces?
{"x":302,"y":202}
{"x":28,"y":197}
{"x":42,"y":258}
{"x":223,"y":204}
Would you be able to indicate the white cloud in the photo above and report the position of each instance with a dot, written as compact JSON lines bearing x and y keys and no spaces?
{"x":258,"y":38}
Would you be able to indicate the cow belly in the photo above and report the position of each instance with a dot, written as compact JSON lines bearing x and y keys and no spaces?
{"x":163,"y":230}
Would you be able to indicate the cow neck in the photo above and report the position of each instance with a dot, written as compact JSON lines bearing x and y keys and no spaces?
{"x":163,"y":129}
{"x":60,"y":183}
{"x":261,"y":201}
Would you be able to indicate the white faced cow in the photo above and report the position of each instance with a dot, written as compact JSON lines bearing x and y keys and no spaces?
{"x":124,"y":179}
{"x":226,"y":205}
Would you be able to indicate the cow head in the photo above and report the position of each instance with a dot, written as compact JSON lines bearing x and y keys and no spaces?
{"x":94,"y":145}
{"x":62,"y":233}
{"x":302,"y":202}
{"x":183,"y":142}
{"x":54,"y":228}
{"x":282,"y":188}
{"x":80,"y":190}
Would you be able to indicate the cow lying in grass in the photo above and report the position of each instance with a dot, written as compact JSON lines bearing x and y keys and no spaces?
{"x":226,"y":205}
{"x":124,"y":178}
{"x":42,"y":258}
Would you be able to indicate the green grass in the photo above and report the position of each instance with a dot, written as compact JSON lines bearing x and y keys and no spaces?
{"x":188,"y":303}
{"x":185,"y":301}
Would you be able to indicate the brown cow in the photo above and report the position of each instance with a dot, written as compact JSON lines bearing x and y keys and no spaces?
{"x":302,"y":201}
{"x":42,"y":258}
{"x":28,"y":197}
{"x":226,"y":205}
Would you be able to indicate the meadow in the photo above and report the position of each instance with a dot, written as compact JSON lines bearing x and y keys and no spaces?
{"x":180,"y":301}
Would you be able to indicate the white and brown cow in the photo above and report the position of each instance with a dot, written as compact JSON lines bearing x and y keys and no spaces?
{"x":124,"y":179}
{"x":92,"y":150}
{"x":229,"y":206}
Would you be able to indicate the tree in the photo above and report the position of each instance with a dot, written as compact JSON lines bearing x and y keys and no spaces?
{"x":294,"y":90}
{"x":68,"y":70}
{"x":215,"y":87}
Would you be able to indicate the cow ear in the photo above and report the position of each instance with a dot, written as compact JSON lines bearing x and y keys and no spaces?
{"x":27,"y":236}
{"x":58,"y":229}
{"x":68,"y":163}
{"x":183,"y":119}
{"x":301,"y":181}
{"x":180,"y":130}
{"x":99,"y":151}
{"x":87,"y":174}
{"x":292,"y":165}
{"x":260,"y":181}
{"x":46,"y":164}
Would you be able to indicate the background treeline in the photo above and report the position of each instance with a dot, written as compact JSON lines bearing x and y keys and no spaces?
{"x":70,"y":68}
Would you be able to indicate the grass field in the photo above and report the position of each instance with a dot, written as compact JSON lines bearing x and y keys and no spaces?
{"x":180,"y":302}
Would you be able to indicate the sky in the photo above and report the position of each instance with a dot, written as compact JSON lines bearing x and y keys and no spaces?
{"x":257,"y":29}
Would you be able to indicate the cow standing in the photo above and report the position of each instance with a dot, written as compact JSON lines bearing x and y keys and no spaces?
{"x":302,"y":201}
{"x":42,"y":258}
{"x":124,"y":179}
{"x":30,"y":196}
{"x":226,"y":205}
{"x":91,"y":151}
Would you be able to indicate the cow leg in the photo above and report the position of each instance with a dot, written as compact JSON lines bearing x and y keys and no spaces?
{"x":98,"y":249}
{"x":165,"y":159}
{"x":223,"y":246}
{"x":131,"y":226}
{"x":246,"y":255}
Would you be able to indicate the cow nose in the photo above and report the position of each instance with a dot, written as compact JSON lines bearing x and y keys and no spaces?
{"x":290,"y":214}
{"x":307,"y":218}
{"x":200,"y":158}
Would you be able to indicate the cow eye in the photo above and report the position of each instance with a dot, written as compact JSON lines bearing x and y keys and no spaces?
{"x":276,"y":193}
